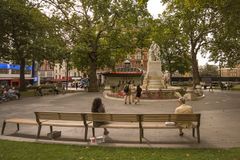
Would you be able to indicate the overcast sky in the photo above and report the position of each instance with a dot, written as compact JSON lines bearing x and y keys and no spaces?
{"x":155,"y":7}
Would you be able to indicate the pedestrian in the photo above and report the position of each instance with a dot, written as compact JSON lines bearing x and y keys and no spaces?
{"x":127,"y":91}
{"x":210,"y":87}
{"x":98,"y":107}
{"x":76,"y":85}
{"x":39,"y":91}
{"x":56,"y":90}
{"x":132,"y":92}
{"x":183,"y":109}
{"x":138,"y":94}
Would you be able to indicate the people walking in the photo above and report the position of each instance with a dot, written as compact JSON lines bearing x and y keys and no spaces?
{"x":127,"y":91}
{"x":138,"y":94}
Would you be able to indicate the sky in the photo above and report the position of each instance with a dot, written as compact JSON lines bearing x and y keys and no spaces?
{"x":155,"y":7}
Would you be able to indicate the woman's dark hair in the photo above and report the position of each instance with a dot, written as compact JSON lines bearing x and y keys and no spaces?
{"x":138,"y":86}
{"x":97,"y":102}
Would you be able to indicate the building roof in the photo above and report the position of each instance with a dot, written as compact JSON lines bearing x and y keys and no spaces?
{"x":124,"y":71}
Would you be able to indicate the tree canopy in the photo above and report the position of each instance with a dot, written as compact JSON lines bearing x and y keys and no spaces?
{"x":100,"y":32}
{"x":208,"y":28}
{"x":26,"y":34}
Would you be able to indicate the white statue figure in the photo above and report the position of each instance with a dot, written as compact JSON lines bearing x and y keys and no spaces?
{"x":166,"y":78}
{"x":153,"y":52}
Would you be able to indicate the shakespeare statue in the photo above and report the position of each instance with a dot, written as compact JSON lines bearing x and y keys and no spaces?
{"x":153,"y":52}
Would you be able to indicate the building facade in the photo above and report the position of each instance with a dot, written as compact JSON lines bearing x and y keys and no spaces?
{"x":10,"y":74}
{"x":230,"y":72}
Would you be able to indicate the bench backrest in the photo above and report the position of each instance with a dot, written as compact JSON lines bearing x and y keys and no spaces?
{"x":171,"y":118}
{"x":117,"y":117}
{"x":112,"y":117}
{"x":58,"y":116}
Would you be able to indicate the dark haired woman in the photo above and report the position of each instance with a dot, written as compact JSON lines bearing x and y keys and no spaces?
{"x":138,"y":94}
{"x":97,"y":107}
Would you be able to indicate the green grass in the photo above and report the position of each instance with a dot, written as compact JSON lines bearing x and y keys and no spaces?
{"x":236,"y":87}
{"x":34,"y":151}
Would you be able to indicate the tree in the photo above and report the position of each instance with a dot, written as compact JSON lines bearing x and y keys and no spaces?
{"x":27,"y":34}
{"x":209,"y":70}
{"x":196,"y":23}
{"x":100,"y":31}
{"x":173,"y":45}
{"x":226,"y":44}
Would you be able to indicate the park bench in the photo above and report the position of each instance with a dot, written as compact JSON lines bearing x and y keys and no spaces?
{"x":51,"y":119}
{"x":117,"y":121}
{"x":18,"y":121}
{"x":60,"y":120}
{"x":144,"y":121}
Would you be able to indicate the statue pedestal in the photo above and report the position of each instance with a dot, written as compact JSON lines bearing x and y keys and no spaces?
{"x":153,"y":79}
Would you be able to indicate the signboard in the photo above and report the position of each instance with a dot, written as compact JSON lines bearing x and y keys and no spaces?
{"x":35,"y":79}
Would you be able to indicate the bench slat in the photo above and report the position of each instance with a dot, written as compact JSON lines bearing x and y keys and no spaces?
{"x":22,"y":121}
{"x":63,"y":123}
{"x":133,"y":125}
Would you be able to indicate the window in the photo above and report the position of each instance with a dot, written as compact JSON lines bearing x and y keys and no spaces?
{"x":138,"y":56}
{"x":4,"y":71}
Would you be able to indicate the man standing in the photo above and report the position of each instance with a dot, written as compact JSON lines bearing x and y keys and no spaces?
{"x":127,"y":91}
{"x":183,"y":109}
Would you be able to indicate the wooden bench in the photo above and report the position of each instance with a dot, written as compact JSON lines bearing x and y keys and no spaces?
{"x":144,"y":121}
{"x":60,"y":120}
{"x":118,"y":121}
{"x":158,"y":121}
{"x":18,"y":121}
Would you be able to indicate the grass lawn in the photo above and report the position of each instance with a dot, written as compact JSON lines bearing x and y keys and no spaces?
{"x":34,"y":151}
{"x":236,"y":87}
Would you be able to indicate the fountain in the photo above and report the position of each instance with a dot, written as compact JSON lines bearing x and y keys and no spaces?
{"x":155,"y":84}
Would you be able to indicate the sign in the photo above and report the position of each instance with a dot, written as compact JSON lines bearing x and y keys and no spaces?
{"x":35,"y":79}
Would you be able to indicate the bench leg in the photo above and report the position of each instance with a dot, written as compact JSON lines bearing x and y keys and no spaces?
{"x":198,"y":134}
{"x":93,"y":132}
{"x":86,"y":133}
{"x":51,"y":129}
{"x":3,"y":127}
{"x":18,"y":127}
{"x":39,"y":130}
{"x":140,"y":134}
{"x":193,"y":132}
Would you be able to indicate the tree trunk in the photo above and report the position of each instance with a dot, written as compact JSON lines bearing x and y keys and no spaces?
{"x":22,"y":75}
{"x":93,"y":87}
{"x":195,"y":72}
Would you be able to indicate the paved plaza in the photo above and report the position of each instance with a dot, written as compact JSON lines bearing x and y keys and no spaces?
{"x":220,"y":117}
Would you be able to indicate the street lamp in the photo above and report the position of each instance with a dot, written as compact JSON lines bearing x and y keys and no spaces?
{"x":66,"y":74}
{"x":65,"y":58}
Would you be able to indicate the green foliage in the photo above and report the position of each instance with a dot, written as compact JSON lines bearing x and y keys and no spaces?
{"x":209,"y":70}
{"x":173,"y":45}
{"x":27,"y":34}
{"x":28,"y":151}
{"x":101,"y":32}
{"x":197,"y":22}
{"x":211,"y":26}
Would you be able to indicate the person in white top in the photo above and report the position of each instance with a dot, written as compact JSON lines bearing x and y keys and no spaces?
{"x":183,"y":109}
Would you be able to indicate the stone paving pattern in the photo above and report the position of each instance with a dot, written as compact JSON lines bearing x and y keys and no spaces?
{"x":220,"y":127}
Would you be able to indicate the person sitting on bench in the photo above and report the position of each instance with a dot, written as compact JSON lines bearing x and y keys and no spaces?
{"x":183,"y":109}
{"x":98,"y":107}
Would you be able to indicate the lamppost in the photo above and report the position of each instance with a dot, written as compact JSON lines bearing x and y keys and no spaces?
{"x":67,"y":74}
{"x":66,"y":58}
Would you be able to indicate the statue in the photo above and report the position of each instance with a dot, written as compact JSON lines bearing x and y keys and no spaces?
{"x":153,"y":52}
{"x":166,"y":78}
{"x":153,"y":79}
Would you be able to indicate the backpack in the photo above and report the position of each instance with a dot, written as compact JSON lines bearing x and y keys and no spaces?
{"x":126,"y":89}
